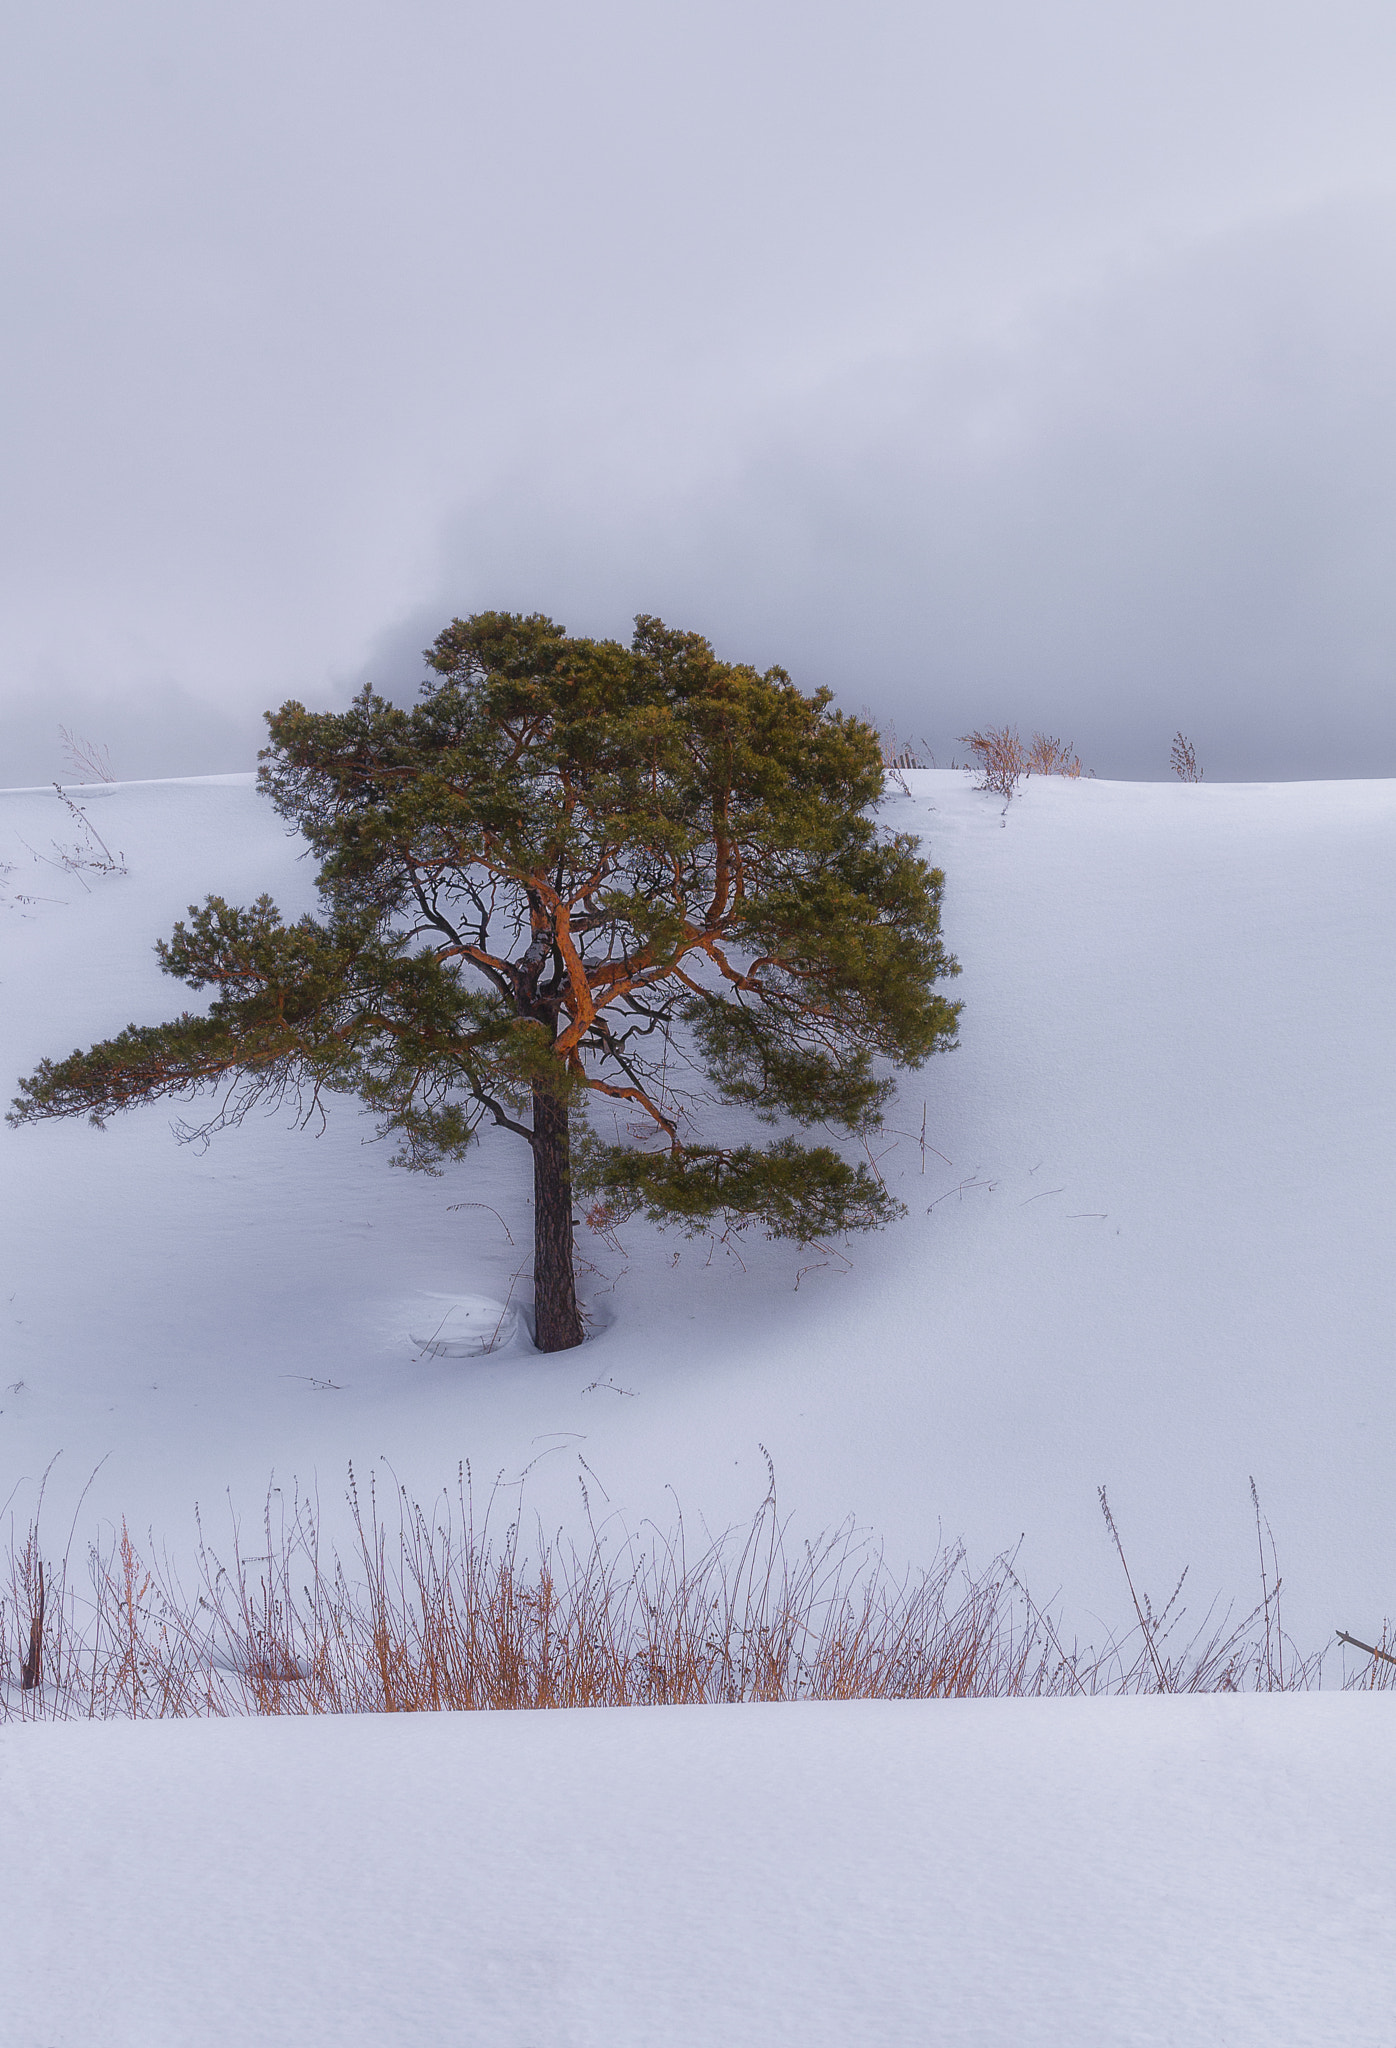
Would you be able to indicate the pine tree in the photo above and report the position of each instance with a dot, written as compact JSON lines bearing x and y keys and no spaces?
{"x":573,"y":871}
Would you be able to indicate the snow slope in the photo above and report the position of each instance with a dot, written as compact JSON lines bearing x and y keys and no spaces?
{"x":1148,"y":1241}
{"x":1162,"y":1873}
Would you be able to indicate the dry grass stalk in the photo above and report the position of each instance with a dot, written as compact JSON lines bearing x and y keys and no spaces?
{"x":1183,"y":759}
{"x":428,"y":1610}
{"x":90,"y":760}
{"x":88,"y":853}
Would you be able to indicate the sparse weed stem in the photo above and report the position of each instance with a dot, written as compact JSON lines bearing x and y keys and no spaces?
{"x":87,"y":759}
{"x":1250,"y":1655}
{"x":1183,"y":759}
{"x":88,"y":854}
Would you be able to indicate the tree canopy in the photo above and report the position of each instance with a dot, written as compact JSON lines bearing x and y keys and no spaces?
{"x":574,"y":873}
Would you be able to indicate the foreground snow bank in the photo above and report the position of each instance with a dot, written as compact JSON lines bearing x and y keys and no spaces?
{"x":1082,"y":1872}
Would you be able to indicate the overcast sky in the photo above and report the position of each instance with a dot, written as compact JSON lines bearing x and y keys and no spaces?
{"x":1023,"y":359}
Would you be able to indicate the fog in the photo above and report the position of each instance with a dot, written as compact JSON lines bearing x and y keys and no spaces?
{"x":991,"y":363}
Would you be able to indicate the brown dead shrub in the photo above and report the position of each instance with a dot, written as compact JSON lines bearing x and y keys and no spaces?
{"x":999,"y":756}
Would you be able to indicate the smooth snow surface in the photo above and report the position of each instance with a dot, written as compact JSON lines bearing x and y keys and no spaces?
{"x":1148,"y":1241}
{"x":1179,"y":1873}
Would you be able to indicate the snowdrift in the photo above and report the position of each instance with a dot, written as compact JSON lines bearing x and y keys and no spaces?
{"x":1096,"y":1872}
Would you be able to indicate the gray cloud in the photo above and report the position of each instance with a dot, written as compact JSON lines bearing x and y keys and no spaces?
{"x":995,"y":362}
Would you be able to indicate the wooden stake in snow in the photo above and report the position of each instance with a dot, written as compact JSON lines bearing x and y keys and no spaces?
{"x":32,"y":1668}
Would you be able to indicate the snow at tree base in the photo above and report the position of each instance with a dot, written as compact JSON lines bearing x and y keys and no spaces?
{"x":1148,"y":1245}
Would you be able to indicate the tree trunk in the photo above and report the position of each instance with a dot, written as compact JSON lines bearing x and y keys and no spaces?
{"x":557,"y":1323}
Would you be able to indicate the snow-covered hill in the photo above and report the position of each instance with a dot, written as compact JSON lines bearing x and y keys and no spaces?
{"x":1147,"y":1242}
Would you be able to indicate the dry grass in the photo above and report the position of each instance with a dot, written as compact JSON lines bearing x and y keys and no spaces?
{"x":1047,"y":755}
{"x":999,"y":758}
{"x":87,"y":854}
{"x":426,"y":1610}
{"x":1182,"y":759}
{"x":87,"y":759}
